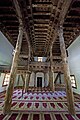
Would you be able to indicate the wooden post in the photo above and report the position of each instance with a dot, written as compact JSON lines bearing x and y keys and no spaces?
{"x":44,"y":80}
{"x":60,"y":78}
{"x":27,"y":80}
{"x":18,"y":79}
{"x":51,"y":83}
{"x":35,"y":79}
{"x":23,"y":79}
{"x":69,"y":92}
{"x":9,"y":92}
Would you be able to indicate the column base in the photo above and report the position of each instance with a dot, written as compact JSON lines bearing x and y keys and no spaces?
{"x":6,"y":111}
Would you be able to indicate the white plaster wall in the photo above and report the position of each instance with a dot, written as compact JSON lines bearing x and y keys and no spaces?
{"x":74,"y":62}
{"x":6,"y":50}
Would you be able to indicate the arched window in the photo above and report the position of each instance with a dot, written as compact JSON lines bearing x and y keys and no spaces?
{"x":40,"y":59}
{"x":73,"y":81}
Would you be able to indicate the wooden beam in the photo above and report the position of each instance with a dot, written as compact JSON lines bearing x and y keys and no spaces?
{"x":9,"y":92}
{"x":40,"y":29}
{"x":41,"y":5}
{"x":69,"y":91}
{"x":21,"y":20}
{"x":51,"y":24}
{"x":41,"y":20}
{"x":64,"y":11}
{"x":30,"y":2}
{"x":8,"y":15}
{"x":62,"y":15}
{"x":42,"y":13}
{"x":23,"y":56}
{"x":6,"y":33}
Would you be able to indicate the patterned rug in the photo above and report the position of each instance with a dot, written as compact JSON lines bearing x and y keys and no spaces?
{"x":39,"y":106}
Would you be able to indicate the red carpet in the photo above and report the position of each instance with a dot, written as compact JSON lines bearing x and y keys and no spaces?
{"x":47,"y":117}
{"x":37,"y":97}
{"x":24,"y":117}
{"x":78,"y":115}
{"x":25,"y":97}
{"x":34,"y":105}
{"x":69,"y":117}
{"x":13,"y":116}
{"x":20,"y":105}
{"x":53,"y":105}
{"x":29,"y":105}
{"x":37,"y":105}
{"x":13,"y":104}
{"x":35,"y":116}
{"x":45,"y":105}
{"x":60,"y":105}
{"x":2,"y":116}
{"x":58,"y":117}
{"x":77,"y":105}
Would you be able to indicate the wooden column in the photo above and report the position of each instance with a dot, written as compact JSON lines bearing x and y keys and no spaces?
{"x":9,"y":92}
{"x":18,"y":79}
{"x":45,"y":79}
{"x":51,"y":83}
{"x":27,"y":80}
{"x":23,"y":79}
{"x":35,"y":79}
{"x":69,"y":92}
{"x":60,"y":78}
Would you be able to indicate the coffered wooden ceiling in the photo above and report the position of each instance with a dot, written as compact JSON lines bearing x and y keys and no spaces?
{"x":41,"y":20}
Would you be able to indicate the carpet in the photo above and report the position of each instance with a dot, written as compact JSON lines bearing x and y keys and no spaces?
{"x":2,"y":116}
{"x":69,"y":117}
{"x":47,"y":117}
{"x":58,"y":117}
{"x":39,"y":106}
{"x":35,"y":116}
{"x":78,"y":115}
{"x":13,"y":116}
{"x":25,"y":117}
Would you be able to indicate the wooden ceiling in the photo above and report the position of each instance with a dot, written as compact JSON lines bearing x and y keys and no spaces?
{"x":41,"y":20}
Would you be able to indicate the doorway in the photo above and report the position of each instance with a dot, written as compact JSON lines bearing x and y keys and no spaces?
{"x":39,"y":81}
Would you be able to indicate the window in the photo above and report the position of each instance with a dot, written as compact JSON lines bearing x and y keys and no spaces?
{"x":73,"y":81}
{"x":40,"y":59}
{"x":6,"y":79}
